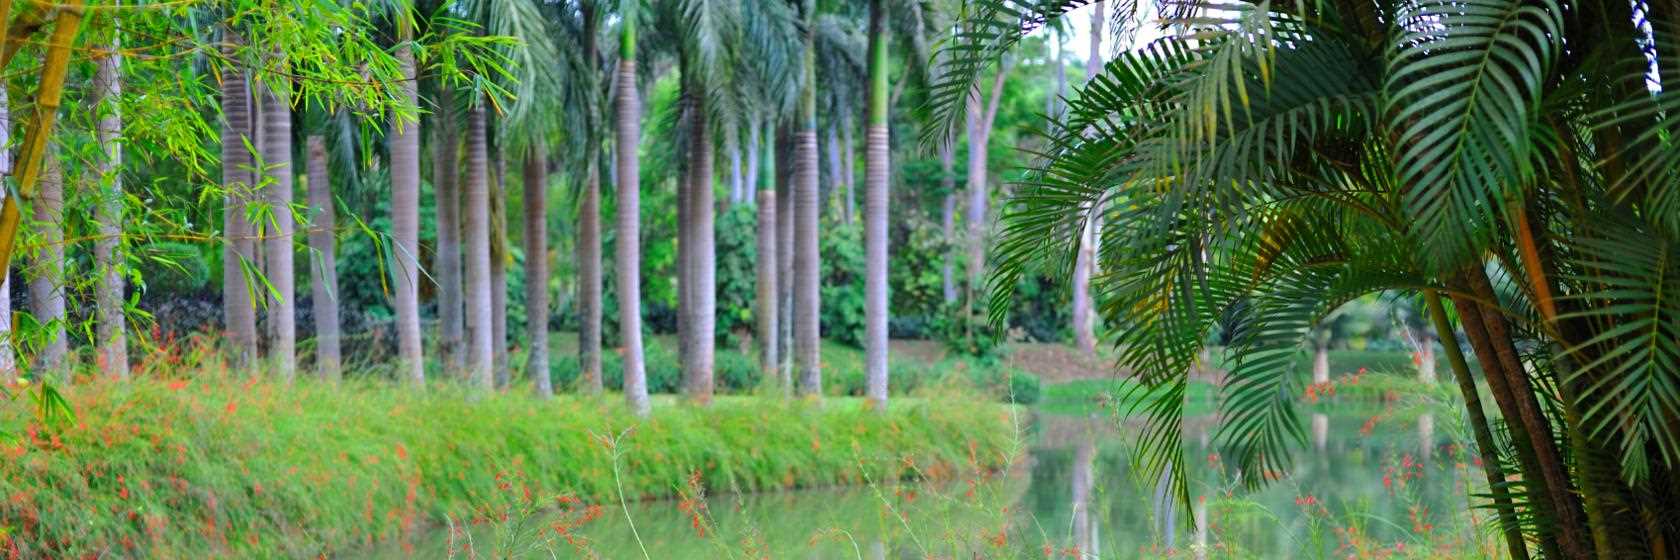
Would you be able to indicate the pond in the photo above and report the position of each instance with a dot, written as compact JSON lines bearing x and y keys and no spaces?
{"x":1369,"y":482}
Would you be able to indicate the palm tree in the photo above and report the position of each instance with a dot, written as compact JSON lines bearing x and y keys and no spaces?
{"x":535,"y":173}
{"x":806,"y":280}
{"x":875,"y":209}
{"x":276,"y":124}
{"x":629,"y":135}
{"x":323,"y":279}
{"x":1418,"y":148}
{"x":107,"y":251}
{"x":700,"y":268}
{"x":498,"y":267}
{"x":46,"y":286}
{"x":446,"y":258}
{"x":238,"y":247}
{"x":589,"y":212}
{"x":480,"y":350}
{"x":405,"y":216}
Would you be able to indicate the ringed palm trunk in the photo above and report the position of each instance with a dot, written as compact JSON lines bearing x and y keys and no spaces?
{"x":875,"y":210}
{"x":536,"y":270}
{"x":46,"y":289}
{"x":629,"y":278}
{"x":702,"y":259}
{"x":323,"y":282}
{"x":405,"y":225}
{"x":755,"y":143}
{"x":480,"y":364}
{"x":107,"y":250}
{"x":498,"y":269}
{"x":238,"y":246}
{"x":806,"y":283}
{"x":446,"y":261}
{"x":277,"y":244}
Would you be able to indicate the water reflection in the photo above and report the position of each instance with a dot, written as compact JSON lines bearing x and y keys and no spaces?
{"x":1074,"y":493}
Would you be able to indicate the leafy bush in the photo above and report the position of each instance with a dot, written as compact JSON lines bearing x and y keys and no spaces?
{"x":843,"y":268}
{"x":737,"y":273}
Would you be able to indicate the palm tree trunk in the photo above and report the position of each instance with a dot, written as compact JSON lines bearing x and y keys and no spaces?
{"x":498,"y":268}
{"x":446,"y":260}
{"x":702,"y":259}
{"x":806,"y":281}
{"x":948,"y":220}
{"x":323,"y":282}
{"x":836,"y":180}
{"x":238,"y":247}
{"x":848,"y":163}
{"x":8,"y":357}
{"x":875,"y":210}
{"x":1084,"y":323}
{"x":767,"y":312}
{"x":405,"y":224}
{"x":978,"y":196}
{"x":46,"y":289}
{"x":536,"y":269}
{"x":629,"y":278}
{"x":589,"y":278}
{"x":480,"y":367}
{"x":737,"y":183}
{"x":754,"y":144}
{"x":784,"y":264}
{"x":1479,"y":429}
{"x":277,"y":245}
{"x":1527,"y":436}
{"x":107,"y":251}
{"x":589,"y":233}
{"x":1321,"y":362}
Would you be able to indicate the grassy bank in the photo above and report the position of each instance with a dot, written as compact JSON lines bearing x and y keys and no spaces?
{"x":184,"y":468}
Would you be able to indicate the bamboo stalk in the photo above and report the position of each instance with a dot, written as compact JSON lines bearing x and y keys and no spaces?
{"x":47,"y":98}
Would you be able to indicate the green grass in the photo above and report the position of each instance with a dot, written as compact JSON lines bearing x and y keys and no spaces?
{"x":218,"y":467}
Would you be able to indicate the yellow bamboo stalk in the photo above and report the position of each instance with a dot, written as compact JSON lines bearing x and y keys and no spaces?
{"x":57,"y":64}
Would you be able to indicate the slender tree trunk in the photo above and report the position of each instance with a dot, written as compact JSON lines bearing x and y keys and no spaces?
{"x":978,"y":196}
{"x":589,"y":236}
{"x":536,"y":267}
{"x":702,"y":258}
{"x":737,"y":182}
{"x":848,"y":161}
{"x":767,"y":314}
{"x":836,"y":179}
{"x":589,"y":279}
{"x":1426,"y":356}
{"x":1321,"y":362}
{"x":1541,"y":495}
{"x":498,"y":269}
{"x":323,"y":283}
{"x":277,"y":245}
{"x":8,"y":356}
{"x":107,"y":251}
{"x":1479,"y":429}
{"x":405,"y":224}
{"x":948,"y":220}
{"x":754,"y":144}
{"x":1084,"y":318}
{"x":875,"y":199}
{"x":238,"y":247}
{"x":629,"y":278}
{"x":1094,"y":60}
{"x":807,"y":306}
{"x":480,"y":366}
{"x":446,"y":260}
{"x":46,"y":289}
{"x":784,"y":259}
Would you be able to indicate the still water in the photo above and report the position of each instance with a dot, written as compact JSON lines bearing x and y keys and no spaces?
{"x":1364,"y":485}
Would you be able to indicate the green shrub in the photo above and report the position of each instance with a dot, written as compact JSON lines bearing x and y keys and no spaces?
{"x":737,"y":273}
{"x":843,"y":268}
{"x":173,"y":269}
